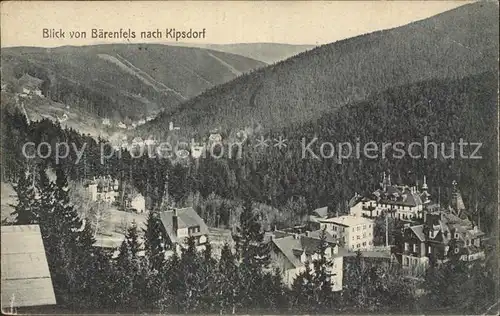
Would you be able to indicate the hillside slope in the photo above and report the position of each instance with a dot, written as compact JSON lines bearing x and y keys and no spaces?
{"x":267,"y":52}
{"x":123,"y":80}
{"x":454,"y":44}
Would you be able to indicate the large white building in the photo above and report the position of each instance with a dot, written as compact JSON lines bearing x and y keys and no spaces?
{"x":354,"y":232}
{"x":399,"y":201}
{"x":292,"y":253}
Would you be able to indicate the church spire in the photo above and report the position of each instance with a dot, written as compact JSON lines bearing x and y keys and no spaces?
{"x":424,"y":185}
{"x":457,"y":202}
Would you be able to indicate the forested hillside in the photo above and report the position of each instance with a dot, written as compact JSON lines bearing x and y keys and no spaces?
{"x":453,"y":44}
{"x":117,"y":81}
{"x":443,"y":110}
{"x":269,"y":53}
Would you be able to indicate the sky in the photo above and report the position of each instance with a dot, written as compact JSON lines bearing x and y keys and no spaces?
{"x":292,"y":22}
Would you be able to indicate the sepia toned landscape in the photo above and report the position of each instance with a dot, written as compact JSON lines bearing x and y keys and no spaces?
{"x":357,"y":176}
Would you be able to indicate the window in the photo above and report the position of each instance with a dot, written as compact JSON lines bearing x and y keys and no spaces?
{"x":414,"y":247}
{"x":407,"y":246}
{"x":456,"y":235}
{"x":359,"y":237}
{"x":429,"y":250}
{"x":357,"y":246}
{"x":370,"y":226}
{"x":364,"y":243}
{"x":193,"y":230}
{"x":364,"y":226}
{"x":457,"y":250}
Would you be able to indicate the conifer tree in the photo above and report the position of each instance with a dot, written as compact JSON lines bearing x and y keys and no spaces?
{"x":25,"y":211}
{"x":68,"y":240}
{"x":154,"y":241}
{"x":132,"y":238}
{"x":303,"y":290}
{"x":322,"y":278}
{"x":227,"y":282}
{"x":253,"y":253}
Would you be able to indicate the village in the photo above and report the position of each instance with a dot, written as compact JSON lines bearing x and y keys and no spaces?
{"x":428,"y":234}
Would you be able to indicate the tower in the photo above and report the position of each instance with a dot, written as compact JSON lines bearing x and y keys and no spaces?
{"x":425,"y":195}
{"x":386,"y":181}
{"x":457,"y":203}
{"x":424,"y":185}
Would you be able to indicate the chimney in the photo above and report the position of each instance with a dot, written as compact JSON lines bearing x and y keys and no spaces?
{"x":175,"y":223}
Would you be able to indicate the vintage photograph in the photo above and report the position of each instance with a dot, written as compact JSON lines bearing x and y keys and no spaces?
{"x":250,"y":158}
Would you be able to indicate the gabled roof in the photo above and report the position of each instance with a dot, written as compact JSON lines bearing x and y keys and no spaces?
{"x":26,"y":277}
{"x":293,"y":246}
{"x":321,"y":212}
{"x":317,"y":234}
{"x":186,"y":218}
{"x":348,"y":220}
{"x":419,"y":232}
{"x":399,"y":195}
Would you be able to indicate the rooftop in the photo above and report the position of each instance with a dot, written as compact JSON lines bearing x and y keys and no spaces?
{"x":348,"y":220}
{"x":186,"y":217}
{"x":26,"y":279}
{"x":292,"y":248}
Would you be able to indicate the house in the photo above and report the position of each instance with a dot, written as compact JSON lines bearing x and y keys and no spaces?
{"x":399,"y":201}
{"x":297,"y":231}
{"x":171,"y":127}
{"x":64,"y":118}
{"x":196,"y":149}
{"x":106,"y":122}
{"x":103,"y":189}
{"x":215,"y":138}
{"x":443,"y":234}
{"x":138,"y":202}
{"x":109,"y":243}
{"x":313,"y":220}
{"x":179,"y":224}
{"x":353,"y":232}
{"x":29,"y":83}
{"x":292,"y":253}
{"x":26,"y":279}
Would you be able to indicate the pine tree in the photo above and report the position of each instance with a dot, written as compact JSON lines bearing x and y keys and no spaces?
{"x":250,"y":239}
{"x":154,"y":242}
{"x":227,"y":282}
{"x":25,"y":211}
{"x":322,"y":278}
{"x":132,"y":238}
{"x":253,"y":253}
{"x":190,"y":265}
{"x":303,"y":290}
{"x":68,"y":241}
